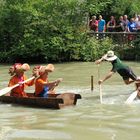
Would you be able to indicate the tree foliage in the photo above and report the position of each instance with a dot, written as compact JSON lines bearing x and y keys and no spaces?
{"x":53,"y":30}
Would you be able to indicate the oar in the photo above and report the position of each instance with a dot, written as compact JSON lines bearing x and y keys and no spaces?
{"x":59,"y":80}
{"x":100,"y":88}
{"x":131,"y":97}
{"x":8,"y":89}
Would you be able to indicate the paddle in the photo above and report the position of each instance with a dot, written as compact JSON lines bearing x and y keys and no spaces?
{"x":57,"y":82}
{"x":8,"y":89}
{"x":131,"y":97}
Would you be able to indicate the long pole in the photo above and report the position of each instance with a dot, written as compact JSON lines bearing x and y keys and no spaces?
{"x":100,"y":87}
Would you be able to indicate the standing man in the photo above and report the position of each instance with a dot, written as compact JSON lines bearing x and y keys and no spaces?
{"x":120,"y":27}
{"x":126,"y":21}
{"x":132,"y":25}
{"x":101,"y":24}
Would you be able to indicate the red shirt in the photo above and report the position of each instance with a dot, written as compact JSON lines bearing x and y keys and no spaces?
{"x":19,"y":91}
{"x":93,"y":25}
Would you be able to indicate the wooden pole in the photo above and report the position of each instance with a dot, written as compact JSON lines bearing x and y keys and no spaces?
{"x":100,"y":88}
{"x":92,"y":83}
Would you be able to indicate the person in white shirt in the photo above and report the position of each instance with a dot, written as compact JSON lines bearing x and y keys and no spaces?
{"x":138,"y":24}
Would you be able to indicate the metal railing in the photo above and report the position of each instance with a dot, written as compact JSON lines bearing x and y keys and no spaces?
{"x":120,"y":38}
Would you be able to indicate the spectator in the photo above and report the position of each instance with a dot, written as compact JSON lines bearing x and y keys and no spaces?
{"x":138,"y":24}
{"x":101,"y":24}
{"x":120,"y":25}
{"x":132,"y":25}
{"x":111,"y":24}
{"x":126,"y":21}
{"x":131,"y":28}
{"x":93,"y":24}
{"x":136,"y":17}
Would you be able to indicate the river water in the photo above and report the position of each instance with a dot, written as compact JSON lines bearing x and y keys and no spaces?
{"x":88,"y":120}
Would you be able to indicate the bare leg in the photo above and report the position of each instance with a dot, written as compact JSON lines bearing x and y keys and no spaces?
{"x":128,"y":81}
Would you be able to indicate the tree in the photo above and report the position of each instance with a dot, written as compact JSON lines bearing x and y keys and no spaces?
{"x":51,"y":30}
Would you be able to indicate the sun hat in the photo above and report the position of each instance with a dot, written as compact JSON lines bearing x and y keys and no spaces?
{"x":49,"y":68}
{"x":18,"y":67}
{"x":21,"y":67}
{"x":25,"y":67}
{"x":110,"y":56}
{"x":45,"y":69}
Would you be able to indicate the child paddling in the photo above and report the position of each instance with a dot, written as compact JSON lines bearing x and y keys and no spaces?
{"x":42,"y":85}
{"x":18,"y":76}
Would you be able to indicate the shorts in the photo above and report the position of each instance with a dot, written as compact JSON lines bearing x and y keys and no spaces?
{"x":44,"y":92}
{"x":127,"y":73}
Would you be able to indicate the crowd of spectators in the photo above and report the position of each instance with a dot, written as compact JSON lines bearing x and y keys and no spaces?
{"x":123,"y":24}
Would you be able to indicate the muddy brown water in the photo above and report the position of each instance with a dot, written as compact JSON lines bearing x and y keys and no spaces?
{"x":88,"y":120}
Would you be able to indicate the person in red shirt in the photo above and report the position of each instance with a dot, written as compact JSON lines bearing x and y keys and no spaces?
{"x":18,"y":76}
{"x":42,"y":85}
{"x":93,"y":24}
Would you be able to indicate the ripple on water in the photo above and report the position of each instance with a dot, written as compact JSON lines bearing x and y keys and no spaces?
{"x":4,"y":131}
{"x":37,"y":135}
{"x":56,"y":124}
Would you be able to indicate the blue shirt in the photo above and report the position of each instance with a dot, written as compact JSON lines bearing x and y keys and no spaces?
{"x":101,"y":25}
{"x":132,"y":26}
